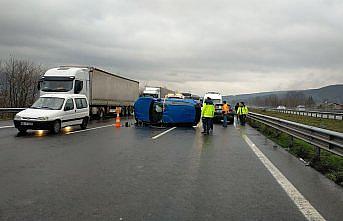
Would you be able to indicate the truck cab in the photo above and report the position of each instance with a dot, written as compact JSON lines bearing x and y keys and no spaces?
{"x":68,"y":80}
{"x":154,"y":92}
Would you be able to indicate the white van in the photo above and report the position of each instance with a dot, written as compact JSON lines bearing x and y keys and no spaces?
{"x":53,"y":112}
{"x":217,"y":100}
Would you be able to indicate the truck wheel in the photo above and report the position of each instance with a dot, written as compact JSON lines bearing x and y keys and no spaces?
{"x":56,"y":127}
{"x":84,"y":123}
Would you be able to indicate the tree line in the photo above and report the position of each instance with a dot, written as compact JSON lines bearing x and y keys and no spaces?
{"x":290,"y":99}
{"x":18,"y":82}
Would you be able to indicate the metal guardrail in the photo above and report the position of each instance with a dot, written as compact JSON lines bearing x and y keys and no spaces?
{"x":11,"y":110}
{"x":321,"y":138}
{"x":320,"y":114}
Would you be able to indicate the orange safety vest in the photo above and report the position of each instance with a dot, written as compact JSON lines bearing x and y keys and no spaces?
{"x":225,"y":108}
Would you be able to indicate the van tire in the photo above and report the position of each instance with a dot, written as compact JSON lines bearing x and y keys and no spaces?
{"x":84,"y":123}
{"x":56,"y":127}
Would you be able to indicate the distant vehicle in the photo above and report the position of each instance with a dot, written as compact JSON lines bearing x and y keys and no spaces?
{"x":105,"y":91}
{"x":218,"y":102}
{"x":300,"y":108}
{"x":187,"y":95}
{"x":176,"y":96}
{"x":196,"y":98}
{"x":281,"y":108}
{"x":156,"y":92}
{"x":53,"y":112}
{"x":167,"y":111}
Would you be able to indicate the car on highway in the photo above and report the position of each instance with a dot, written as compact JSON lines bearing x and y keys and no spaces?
{"x":281,"y":107}
{"x":53,"y":112}
{"x":300,"y":108}
{"x":167,"y":111}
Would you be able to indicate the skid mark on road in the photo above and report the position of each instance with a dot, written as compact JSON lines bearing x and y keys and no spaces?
{"x":163,"y":133}
{"x":299,"y":200}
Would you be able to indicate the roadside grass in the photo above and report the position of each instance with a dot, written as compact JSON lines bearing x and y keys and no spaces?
{"x":329,"y":164}
{"x":329,"y":124}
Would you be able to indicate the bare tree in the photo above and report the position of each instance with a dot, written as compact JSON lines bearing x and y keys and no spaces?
{"x":18,"y":85}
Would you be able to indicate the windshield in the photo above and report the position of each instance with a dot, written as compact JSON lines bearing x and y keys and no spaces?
{"x":51,"y":103}
{"x":217,"y":101}
{"x":57,"y":85}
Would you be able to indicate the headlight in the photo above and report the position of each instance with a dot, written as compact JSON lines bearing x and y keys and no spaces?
{"x":17,"y":117}
{"x":42,"y":118}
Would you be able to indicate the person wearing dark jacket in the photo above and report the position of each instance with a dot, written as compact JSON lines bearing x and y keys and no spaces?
{"x":207,"y":114}
{"x":236,"y":109}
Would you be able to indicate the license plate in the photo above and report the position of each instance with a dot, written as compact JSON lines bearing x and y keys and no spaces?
{"x":26,"y":123}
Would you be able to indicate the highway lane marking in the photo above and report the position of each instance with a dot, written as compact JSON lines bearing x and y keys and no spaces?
{"x":163,"y":133}
{"x":299,"y":200}
{"x":10,"y":126}
{"x":93,"y":128}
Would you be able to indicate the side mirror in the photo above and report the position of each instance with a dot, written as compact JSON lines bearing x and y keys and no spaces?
{"x":78,"y":86}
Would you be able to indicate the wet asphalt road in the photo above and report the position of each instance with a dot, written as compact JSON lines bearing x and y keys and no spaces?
{"x":113,"y":173}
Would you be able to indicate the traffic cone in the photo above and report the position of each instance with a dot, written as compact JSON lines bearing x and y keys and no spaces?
{"x":117,"y":121}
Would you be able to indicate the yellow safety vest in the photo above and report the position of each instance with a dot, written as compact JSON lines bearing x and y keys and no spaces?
{"x":242,"y":110}
{"x":208,"y":110}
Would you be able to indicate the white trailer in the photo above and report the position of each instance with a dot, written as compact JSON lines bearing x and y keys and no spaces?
{"x":104,"y":90}
{"x":156,"y":92}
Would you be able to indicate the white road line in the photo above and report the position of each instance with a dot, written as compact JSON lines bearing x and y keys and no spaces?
{"x":10,"y":126}
{"x":299,"y":200}
{"x":93,"y":128}
{"x":163,"y":133}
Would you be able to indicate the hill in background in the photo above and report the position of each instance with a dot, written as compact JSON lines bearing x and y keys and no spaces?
{"x":331,"y":94}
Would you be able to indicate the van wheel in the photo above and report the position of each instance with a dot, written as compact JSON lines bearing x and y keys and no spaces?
{"x":56,"y":127}
{"x":84,"y":123}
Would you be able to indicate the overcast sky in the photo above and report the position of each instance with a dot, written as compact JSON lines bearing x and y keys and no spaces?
{"x":230,"y":46}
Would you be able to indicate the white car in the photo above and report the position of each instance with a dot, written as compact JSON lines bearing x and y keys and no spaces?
{"x":53,"y":112}
{"x":300,"y":108}
{"x":281,"y":108}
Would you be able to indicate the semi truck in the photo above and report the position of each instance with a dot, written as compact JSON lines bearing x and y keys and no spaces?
{"x":105,"y":91}
{"x":156,"y":92}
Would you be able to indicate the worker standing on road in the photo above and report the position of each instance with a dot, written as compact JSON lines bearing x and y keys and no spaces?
{"x":207,"y":113}
{"x":225,"y":112}
{"x":236,"y":109}
{"x":242,"y":113}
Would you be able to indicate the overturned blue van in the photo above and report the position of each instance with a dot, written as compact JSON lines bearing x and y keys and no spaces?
{"x":167,"y":111}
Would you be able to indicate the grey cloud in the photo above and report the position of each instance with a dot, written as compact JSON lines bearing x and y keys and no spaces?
{"x":248,"y":45}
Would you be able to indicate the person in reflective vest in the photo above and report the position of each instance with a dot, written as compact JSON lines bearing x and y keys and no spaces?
{"x":242,"y":113}
{"x":225,"y":112}
{"x":207,"y":113}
